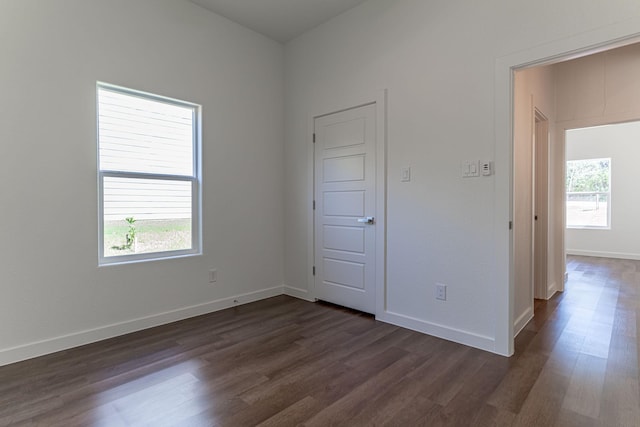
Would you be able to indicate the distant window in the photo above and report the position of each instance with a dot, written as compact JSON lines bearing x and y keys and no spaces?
{"x":149,"y":187}
{"x":589,"y":193}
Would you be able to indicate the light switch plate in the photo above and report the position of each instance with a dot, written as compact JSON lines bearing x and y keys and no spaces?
{"x":405,"y":174}
{"x":470,"y":168}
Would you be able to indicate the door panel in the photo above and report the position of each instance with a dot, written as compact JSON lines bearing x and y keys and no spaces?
{"x":346,"y":133}
{"x":340,"y":169}
{"x":345,"y":161}
{"x":343,"y":203}
{"x":347,"y":239}
{"x":344,"y":273}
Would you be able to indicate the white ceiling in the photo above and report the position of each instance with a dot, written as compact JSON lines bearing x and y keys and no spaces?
{"x":281,"y":20}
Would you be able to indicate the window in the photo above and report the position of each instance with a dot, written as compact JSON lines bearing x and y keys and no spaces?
{"x":589,"y":193}
{"x":149,"y":185}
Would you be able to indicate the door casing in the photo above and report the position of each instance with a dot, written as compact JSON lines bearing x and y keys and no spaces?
{"x":541,"y":205}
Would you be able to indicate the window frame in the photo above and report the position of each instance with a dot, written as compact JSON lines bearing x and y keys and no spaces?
{"x":195,"y":179}
{"x":597,"y":193}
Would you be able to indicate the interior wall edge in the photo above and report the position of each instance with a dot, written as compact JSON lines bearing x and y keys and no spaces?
{"x":522,"y":320}
{"x":552,"y":289}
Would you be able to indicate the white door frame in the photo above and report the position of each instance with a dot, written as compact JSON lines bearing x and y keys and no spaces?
{"x":380,"y":100}
{"x":586,"y":43}
{"x":537,"y":290}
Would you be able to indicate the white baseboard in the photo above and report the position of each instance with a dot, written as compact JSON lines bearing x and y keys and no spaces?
{"x":522,"y":321}
{"x":551,"y":290}
{"x":600,"y":254}
{"x":451,"y":334}
{"x":548,"y":293}
{"x":298,"y":293}
{"x":64,"y":342}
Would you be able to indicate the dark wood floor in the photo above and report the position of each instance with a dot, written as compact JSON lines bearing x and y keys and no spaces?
{"x":286,"y":362}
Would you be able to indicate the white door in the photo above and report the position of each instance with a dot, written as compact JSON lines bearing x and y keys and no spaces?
{"x":345,"y":217}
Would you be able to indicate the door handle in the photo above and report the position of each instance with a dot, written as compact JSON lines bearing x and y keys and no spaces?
{"x":367,"y":220}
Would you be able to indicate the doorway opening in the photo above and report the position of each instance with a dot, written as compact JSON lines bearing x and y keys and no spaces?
{"x":595,"y":89}
{"x":602,"y":202}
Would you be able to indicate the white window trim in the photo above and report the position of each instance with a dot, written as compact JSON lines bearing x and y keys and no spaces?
{"x":195,"y":179}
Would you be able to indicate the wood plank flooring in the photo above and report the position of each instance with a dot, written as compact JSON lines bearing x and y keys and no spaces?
{"x":286,"y":362}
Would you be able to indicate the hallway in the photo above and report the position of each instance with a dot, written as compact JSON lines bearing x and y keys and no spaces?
{"x":585,"y":342}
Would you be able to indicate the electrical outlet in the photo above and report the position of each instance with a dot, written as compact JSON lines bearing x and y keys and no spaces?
{"x":441,"y":292}
{"x":213,"y":275}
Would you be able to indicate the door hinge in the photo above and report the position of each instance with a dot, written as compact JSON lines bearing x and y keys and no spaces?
{"x":314,"y":270}
{"x":510,"y":225}
{"x":314,"y":138}
{"x":314,"y":205}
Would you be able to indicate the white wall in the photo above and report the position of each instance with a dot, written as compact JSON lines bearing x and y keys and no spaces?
{"x":53,"y":295}
{"x":438,"y":61}
{"x":621,"y":143}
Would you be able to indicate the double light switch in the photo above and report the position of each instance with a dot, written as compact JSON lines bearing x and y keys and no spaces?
{"x":473,"y":168}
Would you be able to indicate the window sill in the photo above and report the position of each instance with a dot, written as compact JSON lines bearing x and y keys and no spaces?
{"x":588,"y":227}
{"x":136,"y":259}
